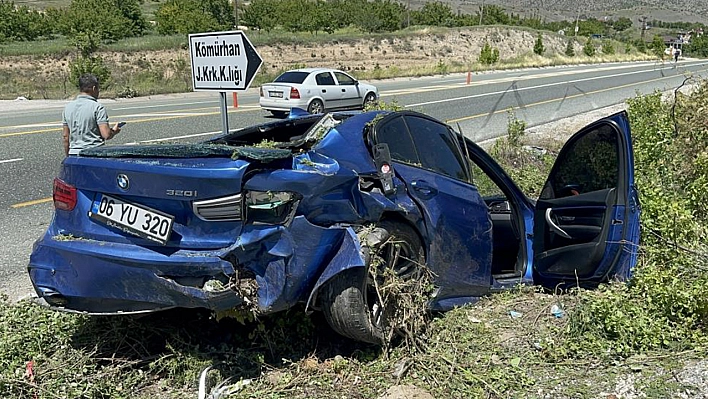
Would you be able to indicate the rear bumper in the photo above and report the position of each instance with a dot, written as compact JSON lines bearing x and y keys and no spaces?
{"x":281,"y":104}
{"x":269,"y":268}
{"x":102,"y":277}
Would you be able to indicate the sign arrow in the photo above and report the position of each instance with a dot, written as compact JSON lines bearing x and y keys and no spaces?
{"x":222,"y":61}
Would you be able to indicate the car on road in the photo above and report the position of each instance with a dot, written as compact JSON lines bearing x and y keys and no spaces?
{"x":317,"y":90}
{"x":312,"y":209}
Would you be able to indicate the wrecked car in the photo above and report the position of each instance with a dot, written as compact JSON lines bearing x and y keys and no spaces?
{"x":301,"y":210}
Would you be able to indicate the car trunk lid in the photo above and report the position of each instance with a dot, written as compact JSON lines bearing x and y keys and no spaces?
{"x":196,"y":191}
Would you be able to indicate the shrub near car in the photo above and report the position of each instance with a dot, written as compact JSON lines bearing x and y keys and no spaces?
{"x":342,"y":199}
{"x":317,"y":90}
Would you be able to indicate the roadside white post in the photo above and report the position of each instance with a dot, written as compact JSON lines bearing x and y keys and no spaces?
{"x":223,"y":61}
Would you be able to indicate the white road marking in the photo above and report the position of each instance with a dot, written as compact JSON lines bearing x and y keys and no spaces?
{"x":11,"y":160}
{"x":525,"y":88}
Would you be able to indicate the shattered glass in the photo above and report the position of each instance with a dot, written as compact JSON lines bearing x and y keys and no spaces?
{"x":195,"y":150}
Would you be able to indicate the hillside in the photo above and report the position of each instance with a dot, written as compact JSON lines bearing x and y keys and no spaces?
{"x":664,"y":10}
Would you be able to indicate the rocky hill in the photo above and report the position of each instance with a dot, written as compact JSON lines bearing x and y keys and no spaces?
{"x":664,"y":10}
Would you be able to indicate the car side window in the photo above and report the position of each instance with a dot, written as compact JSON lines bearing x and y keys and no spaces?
{"x":437,"y":147}
{"x":344,"y":79}
{"x":324,"y":79}
{"x":395,"y":134}
{"x":591,"y":163}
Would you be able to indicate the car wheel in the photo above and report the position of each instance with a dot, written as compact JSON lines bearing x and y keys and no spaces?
{"x":369,"y":100}
{"x":315,"y":107}
{"x":353,"y":301}
{"x":279,"y":114}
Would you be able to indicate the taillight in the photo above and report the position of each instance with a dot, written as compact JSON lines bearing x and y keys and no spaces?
{"x":64,"y":195}
{"x":294,"y":93}
{"x":260,"y":91}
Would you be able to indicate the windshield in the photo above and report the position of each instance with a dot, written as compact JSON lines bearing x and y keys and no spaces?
{"x":292,"y":77}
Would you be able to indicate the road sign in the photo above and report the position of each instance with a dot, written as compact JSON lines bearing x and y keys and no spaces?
{"x":222,"y":61}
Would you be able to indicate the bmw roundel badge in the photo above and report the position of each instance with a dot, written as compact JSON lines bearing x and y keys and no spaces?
{"x":123,"y":182}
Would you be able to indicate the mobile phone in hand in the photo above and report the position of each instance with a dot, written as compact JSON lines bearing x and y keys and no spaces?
{"x":121,"y":124}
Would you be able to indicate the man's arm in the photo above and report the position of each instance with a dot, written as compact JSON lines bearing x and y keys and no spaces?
{"x":107,"y":132}
{"x":65,"y":138}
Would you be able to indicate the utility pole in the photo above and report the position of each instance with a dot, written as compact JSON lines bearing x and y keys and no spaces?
{"x":481,"y":12}
{"x":643,"y":20}
{"x":408,"y":23}
{"x":236,"y":13}
{"x":577,"y":28}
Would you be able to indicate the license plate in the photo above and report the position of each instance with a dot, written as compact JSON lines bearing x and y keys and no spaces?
{"x":278,"y":94}
{"x":134,"y":219}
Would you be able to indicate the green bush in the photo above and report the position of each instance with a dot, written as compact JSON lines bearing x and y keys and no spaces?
{"x":570,"y":48}
{"x":88,"y":64}
{"x":538,"y":47}
{"x":608,"y":48}
{"x":488,"y":55}
{"x":589,"y":48}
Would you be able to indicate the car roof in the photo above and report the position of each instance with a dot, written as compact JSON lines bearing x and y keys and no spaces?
{"x":310,"y":70}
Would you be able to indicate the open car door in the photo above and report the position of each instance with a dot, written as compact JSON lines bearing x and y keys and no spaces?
{"x":586,"y":222}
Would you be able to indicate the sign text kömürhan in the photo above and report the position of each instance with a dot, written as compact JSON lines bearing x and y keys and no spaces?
{"x":222,"y":61}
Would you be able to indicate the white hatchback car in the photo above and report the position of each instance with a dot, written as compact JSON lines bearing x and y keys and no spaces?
{"x":316,"y":90}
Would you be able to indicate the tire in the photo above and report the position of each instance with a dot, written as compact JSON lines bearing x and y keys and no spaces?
{"x":369,"y":100}
{"x":315,"y":107}
{"x":350,"y":302}
{"x":279,"y":114}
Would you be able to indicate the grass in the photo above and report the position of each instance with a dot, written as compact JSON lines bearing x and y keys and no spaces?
{"x":474,"y":351}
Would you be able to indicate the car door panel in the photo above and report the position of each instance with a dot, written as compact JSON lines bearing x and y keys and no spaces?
{"x":457,"y":222}
{"x":328,"y":90}
{"x":349,"y":91}
{"x":584,"y":232}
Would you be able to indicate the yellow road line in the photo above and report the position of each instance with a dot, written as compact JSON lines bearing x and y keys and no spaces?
{"x":33,"y":202}
{"x":157,"y":118}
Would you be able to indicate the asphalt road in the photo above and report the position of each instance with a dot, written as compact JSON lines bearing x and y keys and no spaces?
{"x":30,"y":131}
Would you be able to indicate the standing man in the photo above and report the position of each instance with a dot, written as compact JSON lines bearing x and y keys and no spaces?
{"x":677,"y":52}
{"x":85,"y":121}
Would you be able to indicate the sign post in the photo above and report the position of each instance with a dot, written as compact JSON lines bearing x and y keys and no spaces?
{"x":223,"y":61}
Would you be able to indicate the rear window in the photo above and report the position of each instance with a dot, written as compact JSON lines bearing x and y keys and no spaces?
{"x":292,"y":77}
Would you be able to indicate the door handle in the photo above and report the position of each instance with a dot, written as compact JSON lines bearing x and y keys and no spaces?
{"x":324,"y":90}
{"x":344,"y":90}
{"x":554,"y":227}
{"x":425,"y":190}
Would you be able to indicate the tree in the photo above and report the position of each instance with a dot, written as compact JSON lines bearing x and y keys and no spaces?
{"x":538,"y":48}
{"x":22,"y":23}
{"x":494,"y":15}
{"x":379,"y":16}
{"x":192,"y":16}
{"x":570,"y":48}
{"x":698,"y":46}
{"x":260,"y":14}
{"x":623,"y":23}
{"x":658,"y":46}
{"x":434,"y":13}
{"x":589,"y":48}
{"x":108,"y":20}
